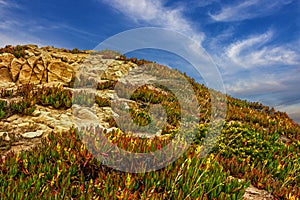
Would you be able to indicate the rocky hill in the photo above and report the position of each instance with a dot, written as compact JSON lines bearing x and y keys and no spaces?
{"x":258,"y":145}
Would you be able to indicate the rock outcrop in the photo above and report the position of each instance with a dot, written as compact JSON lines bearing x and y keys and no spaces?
{"x":40,"y":65}
{"x":50,"y":66}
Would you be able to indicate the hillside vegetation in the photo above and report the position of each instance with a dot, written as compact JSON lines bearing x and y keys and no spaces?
{"x":258,"y":146}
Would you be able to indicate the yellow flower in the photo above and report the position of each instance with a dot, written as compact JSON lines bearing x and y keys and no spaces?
{"x":197,"y":150}
{"x":82,"y":148}
{"x":128,"y":180}
{"x":292,"y":197}
{"x":58,"y":147}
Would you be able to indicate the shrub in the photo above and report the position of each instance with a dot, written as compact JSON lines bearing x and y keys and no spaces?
{"x":18,"y":51}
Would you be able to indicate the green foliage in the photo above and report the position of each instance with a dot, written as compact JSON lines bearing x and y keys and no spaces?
{"x":262,"y":158}
{"x":18,"y":51}
{"x":249,"y":148}
{"x":102,"y":102}
{"x":75,"y":51}
{"x":61,"y":167}
{"x":106,"y":85}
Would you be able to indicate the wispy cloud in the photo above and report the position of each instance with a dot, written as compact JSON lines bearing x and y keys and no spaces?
{"x":279,"y":90}
{"x":253,"y":85}
{"x":257,"y":51}
{"x":248,"y":9}
{"x":237,"y":51}
{"x":154,"y":13}
{"x":292,"y":110}
{"x":8,"y":4}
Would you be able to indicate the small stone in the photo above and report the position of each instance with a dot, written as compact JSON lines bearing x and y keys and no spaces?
{"x":29,"y":53}
{"x":30,"y":135}
{"x":7,"y":84}
{"x":23,"y":125}
{"x":36,"y":113}
{"x":12,"y":118}
{"x":5,"y":134}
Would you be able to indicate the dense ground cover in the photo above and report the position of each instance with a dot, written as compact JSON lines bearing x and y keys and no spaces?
{"x":258,"y":145}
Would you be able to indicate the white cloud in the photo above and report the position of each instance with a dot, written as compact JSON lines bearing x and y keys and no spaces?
{"x":235,"y":50}
{"x":292,"y":110}
{"x":253,"y":85}
{"x":248,"y":9}
{"x":154,"y":13}
{"x":273,"y":55}
{"x":255,"y":52}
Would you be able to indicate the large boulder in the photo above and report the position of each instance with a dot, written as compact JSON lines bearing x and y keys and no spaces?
{"x":60,"y":72}
{"x":5,"y":59}
{"x":15,"y":68}
{"x":38,"y":72}
{"x":32,"y":61}
{"x":5,"y":75}
{"x":25,"y":74}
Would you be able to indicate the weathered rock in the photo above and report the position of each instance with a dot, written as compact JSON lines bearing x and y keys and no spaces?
{"x":15,"y":68}
{"x":34,"y":79}
{"x":5,"y":75}
{"x":7,"y":85}
{"x":45,"y":77}
{"x":25,"y":74}
{"x":23,"y":125}
{"x":252,"y":193}
{"x":31,"y":46}
{"x":32,"y":61}
{"x":5,"y":59}
{"x":46,"y":58}
{"x":60,"y":72}
{"x":29,"y":53}
{"x":2,"y":133}
{"x":12,"y":118}
{"x":284,"y":139}
{"x":30,"y":135}
{"x":63,"y":123}
{"x":36,"y":113}
{"x":84,"y":116}
{"x":38,"y":70}
{"x":5,"y":136}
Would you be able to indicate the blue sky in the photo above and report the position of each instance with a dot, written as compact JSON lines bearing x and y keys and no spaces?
{"x":254,"y":43}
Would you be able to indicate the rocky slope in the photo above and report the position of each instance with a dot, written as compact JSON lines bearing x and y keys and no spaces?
{"x":53,"y":67}
{"x":48,"y":67}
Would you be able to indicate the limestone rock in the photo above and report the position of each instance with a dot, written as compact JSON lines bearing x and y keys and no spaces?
{"x":5,"y":59}
{"x":7,"y":85}
{"x":60,"y":72}
{"x":5,"y":136}
{"x":32,"y":61}
{"x":5,"y":75}
{"x":31,"y":46}
{"x":46,"y":58}
{"x":34,"y":79}
{"x":38,"y":71}
{"x":23,"y":125}
{"x":253,"y":193}
{"x":36,"y":113}
{"x":30,"y":135}
{"x":29,"y":53}
{"x":15,"y":68}
{"x":25,"y":74}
